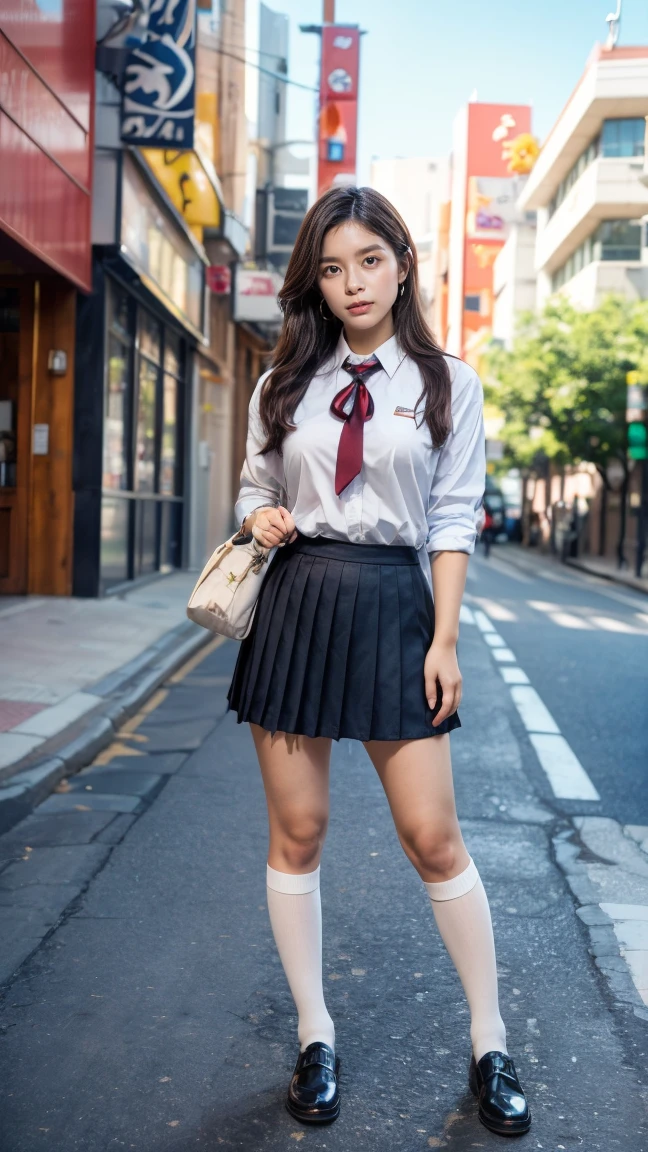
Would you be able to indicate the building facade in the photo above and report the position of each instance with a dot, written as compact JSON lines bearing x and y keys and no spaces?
{"x":514,"y":282}
{"x":418,"y":187}
{"x":492,"y":153}
{"x":46,"y":142}
{"x":587,"y":189}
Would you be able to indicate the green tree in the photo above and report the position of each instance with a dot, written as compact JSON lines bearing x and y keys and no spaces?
{"x":562,"y":387}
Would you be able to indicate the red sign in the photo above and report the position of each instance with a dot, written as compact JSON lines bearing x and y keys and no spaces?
{"x":338,"y":104}
{"x":47,"y":54}
{"x":219,"y":279}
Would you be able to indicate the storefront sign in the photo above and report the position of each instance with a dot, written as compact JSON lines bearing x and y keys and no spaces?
{"x":338,"y":104}
{"x":219,"y":279}
{"x":255,"y":296}
{"x":155,"y":246}
{"x":40,"y":444}
{"x":159,"y":84}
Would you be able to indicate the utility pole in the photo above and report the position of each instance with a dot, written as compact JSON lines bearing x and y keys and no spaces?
{"x":329,"y":12}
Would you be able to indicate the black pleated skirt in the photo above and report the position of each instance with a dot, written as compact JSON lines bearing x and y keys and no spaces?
{"x":338,"y":643}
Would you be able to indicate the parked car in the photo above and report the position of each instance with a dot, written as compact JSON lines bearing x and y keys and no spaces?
{"x":494,"y":504}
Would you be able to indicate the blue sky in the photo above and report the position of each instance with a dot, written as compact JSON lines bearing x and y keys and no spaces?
{"x":422,"y":59}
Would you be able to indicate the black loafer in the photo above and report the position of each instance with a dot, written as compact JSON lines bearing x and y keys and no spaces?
{"x":502,"y":1103}
{"x":313,"y":1093}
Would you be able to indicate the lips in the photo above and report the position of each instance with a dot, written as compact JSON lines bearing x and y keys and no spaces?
{"x":360,"y":309}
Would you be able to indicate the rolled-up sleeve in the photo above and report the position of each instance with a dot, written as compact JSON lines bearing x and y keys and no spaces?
{"x":460,"y":478}
{"x":262,"y":477}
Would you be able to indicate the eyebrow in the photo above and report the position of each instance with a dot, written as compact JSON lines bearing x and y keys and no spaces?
{"x":360,"y":252}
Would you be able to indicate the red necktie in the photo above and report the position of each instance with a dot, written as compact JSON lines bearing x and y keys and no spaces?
{"x":349,"y":457}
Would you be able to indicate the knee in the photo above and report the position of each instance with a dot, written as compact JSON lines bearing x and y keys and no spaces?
{"x":300,"y":843}
{"x":437,"y":854}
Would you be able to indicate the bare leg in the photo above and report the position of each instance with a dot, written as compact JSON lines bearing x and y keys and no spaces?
{"x":417,"y":778}
{"x":295,"y":772}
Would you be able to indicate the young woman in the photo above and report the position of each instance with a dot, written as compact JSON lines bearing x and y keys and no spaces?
{"x":365,"y":465}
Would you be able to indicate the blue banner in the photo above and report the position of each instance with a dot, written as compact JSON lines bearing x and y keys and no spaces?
{"x":160,"y":82}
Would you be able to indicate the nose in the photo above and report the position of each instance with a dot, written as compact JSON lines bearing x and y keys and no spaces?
{"x":354,"y":282}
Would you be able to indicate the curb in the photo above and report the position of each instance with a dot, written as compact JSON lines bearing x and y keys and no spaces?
{"x":635,"y":582}
{"x":124,"y":691}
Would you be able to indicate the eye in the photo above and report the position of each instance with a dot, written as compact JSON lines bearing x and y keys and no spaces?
{"x":333,"y":268}
{"x":375,"y":260}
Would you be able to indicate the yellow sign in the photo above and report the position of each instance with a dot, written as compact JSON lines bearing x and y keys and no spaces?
{"x":189,"y":184}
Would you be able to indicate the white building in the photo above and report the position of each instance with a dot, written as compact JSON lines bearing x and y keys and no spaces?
{"x":587,"y":188}
{"x":417,"y":186}
{"x":514,"y":281}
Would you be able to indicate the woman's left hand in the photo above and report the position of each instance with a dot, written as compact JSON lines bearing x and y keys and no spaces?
{"x":442,"y":679}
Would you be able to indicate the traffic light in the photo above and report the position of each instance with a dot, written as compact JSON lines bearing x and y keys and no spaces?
{"x":638,"y":440}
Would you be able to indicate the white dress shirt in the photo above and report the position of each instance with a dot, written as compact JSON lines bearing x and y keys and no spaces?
{"x":407,"y":491}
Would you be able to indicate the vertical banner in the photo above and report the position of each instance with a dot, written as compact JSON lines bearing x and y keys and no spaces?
{"x":159,"y":83}
{"x":338,"y":119}
{"x":500,"y":154}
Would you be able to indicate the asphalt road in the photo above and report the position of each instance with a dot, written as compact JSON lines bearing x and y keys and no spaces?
{"x":583,"y":643}
{"x":155,"y":1014}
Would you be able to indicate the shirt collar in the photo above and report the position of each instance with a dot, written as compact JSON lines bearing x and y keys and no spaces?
{"x":389,"y":353}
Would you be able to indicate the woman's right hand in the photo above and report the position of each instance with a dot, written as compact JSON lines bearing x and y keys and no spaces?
{"x":272,"y":526}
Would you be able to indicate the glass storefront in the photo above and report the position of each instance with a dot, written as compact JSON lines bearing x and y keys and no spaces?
{"x":142,"y":497}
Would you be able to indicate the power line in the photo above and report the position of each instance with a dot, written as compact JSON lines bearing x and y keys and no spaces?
{"x":259,"y":68}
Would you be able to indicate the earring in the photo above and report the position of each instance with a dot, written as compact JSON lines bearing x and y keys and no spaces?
{"x":402,"y":289}
{"x":327,"y":318}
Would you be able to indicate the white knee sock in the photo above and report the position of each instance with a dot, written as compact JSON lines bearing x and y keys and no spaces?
{"x":296,"y":918}
{"x":463,"y":918}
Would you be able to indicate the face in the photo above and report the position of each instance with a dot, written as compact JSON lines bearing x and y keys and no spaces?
{"x":359,"y":277}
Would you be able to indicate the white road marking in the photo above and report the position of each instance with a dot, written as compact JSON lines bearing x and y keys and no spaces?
{"x":504,"y":655}
{"x":566,"y":774}
{"x":494,"y":640}
{"x":514,"y":676}
{"x":609,"y":624}
{"x":466,"y":615}
{"x":567,"y":620}
{"x":498,"y":611}
{"x":483,"y":623}
{"x":536,"y":717}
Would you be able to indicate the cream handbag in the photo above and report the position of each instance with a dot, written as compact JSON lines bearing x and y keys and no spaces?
{"x":228,"y":587}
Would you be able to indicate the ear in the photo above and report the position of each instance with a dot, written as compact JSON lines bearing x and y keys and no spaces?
{"x":405,"y":266}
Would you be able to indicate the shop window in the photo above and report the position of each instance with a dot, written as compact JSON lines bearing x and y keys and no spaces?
{"x":142,"y":512}
{"x":145,"y":427}
{"x":472,"y":303}
{"x":115,"y":511}
{"x":171,"y":392}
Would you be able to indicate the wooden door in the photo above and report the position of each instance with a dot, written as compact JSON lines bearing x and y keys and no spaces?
{"x":17,"y":295}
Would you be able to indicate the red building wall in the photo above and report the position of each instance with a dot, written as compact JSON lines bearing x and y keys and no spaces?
{"x":46,"y":113}
{"x":493,"y":185}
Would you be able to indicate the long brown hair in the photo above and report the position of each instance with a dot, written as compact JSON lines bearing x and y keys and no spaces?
{"x":307,"y":341}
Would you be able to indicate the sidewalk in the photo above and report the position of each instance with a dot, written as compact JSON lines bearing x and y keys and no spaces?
{"x":600,"y":566}
{"x":72,"y":670}
{"x":594,"y":565}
